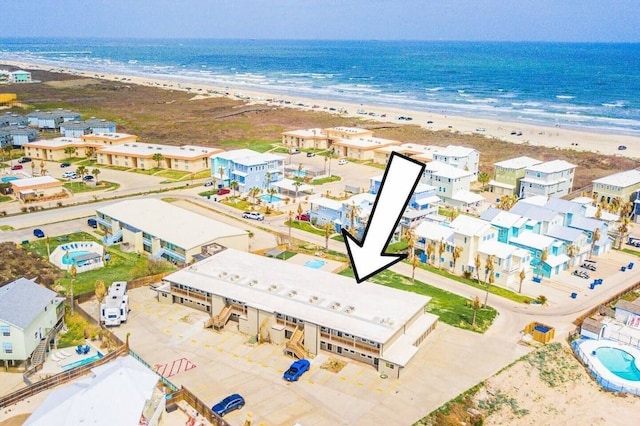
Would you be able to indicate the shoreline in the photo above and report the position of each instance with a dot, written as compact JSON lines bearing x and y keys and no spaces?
{"x":508,"y":131}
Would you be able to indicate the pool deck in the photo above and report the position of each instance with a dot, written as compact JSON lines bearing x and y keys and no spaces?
{"x":588,"y":346}
{"x":329,"y":266}
{"x":51,"y":366}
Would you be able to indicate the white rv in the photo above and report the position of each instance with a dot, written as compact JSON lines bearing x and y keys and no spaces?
{"x":115,"y":307}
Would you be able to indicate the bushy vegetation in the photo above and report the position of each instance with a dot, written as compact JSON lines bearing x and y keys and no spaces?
{"x":16,"y":262}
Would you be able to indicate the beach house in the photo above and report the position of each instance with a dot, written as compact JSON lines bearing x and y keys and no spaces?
{"x":12,"y":119}
{"x":551,"y":179}
{"x":143,"y":227}
{"x":74,"y":129}
{"x":508,"y":173}
{"x":452,"y":185}
{"x":20,"y":76}
{"x":322,"y":313}
{"x":622,"y":185}
{"x":100,"y":125}
{"x":146,"y":156}
{"x":247,"y":168}
{"x":17,"y":136}
{"x":460,"y":157}
{"x":29,"y":314}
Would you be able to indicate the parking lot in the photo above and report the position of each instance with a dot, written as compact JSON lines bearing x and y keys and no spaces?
{"x":214,"y":365}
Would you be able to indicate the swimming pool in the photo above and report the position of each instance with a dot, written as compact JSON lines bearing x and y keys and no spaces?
{"x":8,"y":179}
{"x":315,"y":263}
{"x":299,"y":173}
{"x":83,"y":361}
{"x":270,"y":198}
{"x":71,"y":257}
{"x":619,"y":362}
{"x":613,"y":365}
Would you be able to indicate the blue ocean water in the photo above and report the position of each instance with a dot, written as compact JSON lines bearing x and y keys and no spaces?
{"x":589,"y":86}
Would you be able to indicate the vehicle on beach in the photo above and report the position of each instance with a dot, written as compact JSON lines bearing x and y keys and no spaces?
{"x":297,"y":369}
{"x":621,"y":147}
{"x":480,"y":129}
{"x":230,"y":403}
{"x":253,"y":215}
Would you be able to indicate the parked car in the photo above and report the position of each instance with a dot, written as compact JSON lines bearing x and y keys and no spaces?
{"x":253,"y":215}
{"x":311,"y":154}
{"x":622,"y":147}
{"x":223,"y":191}
{"x":24,"y":160}
{"x":589,"y":265}
{"x":16,"y":167}
{"x":70,"y":175}
{"x":230,"y":403}
{"x":581,"y":274}
{"x":294,"y":151}
{"x":304,"y":217}
{"x":38,"y":233}
{"x":63,"y":165}
{"x":296,"y":370}
{"x":208,"y":183}
{"x":92,"y":222}
{"x":342,"y":161}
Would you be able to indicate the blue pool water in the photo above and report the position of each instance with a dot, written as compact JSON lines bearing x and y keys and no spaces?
{"x":8,"y":179}
{"x":81,"y":362}
{"x":71,"y":257}
{"x":270,"y":198}
{"x":299,"y":173}
{"x":315,"y":263}
{"x":619,"y":362}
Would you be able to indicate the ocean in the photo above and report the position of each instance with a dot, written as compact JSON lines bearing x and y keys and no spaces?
{"x":593,"y":87}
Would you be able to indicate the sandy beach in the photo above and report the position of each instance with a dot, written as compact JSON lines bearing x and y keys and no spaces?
{"x":517,"y":133}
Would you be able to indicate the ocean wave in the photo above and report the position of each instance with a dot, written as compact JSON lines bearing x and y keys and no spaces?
{"x":616,"y":104}
{"x":564,"y":97}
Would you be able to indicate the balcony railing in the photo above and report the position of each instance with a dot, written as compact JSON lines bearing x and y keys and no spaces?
{"x":349,"y":343}
{"x":191,"y":295}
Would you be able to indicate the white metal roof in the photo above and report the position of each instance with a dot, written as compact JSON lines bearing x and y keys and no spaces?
{"x":149,"y":149}
{"x":173,"y":224}
{"x":445,"y":170}
{"x":33,"y":181}
{"x":496,"y":248}
{"x":455,"y":151}
{"x":518,"y":163}
{"x":530,"y":239}
{"x":553,"y":166}
{"x":468,"y":225}
{"x":366,"y":310}
{"x":621,"y":180}
{"x":288,"y":184}
{"x":434,"y":231}
{"x":327,"y":203}
{"x":467,"y":196}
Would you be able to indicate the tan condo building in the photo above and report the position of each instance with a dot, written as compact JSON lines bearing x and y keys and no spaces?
{"x":145,"y":156}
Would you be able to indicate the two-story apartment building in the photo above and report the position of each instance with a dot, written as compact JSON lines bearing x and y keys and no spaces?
{"x":108,"y":139}
{"x":59,"y":149}
{"x":305,"y":139}
{"x":551,"y":179}
{"x":74,"y":129}
{"x":29,"y":312}
{"x":323,"y":312}
{"x":508,"y":173}
{"x":422,"y":153}
{"x":145,"y":156}
{"x":17,"y":135}
{"x":247,"y":168}
{"x":100,"y":125}
{"x":162,"y":230}
{"x":360,"y":148}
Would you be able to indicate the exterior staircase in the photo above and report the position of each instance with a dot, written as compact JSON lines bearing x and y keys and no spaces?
{"x":112,"y":239}
{"x":294,"y":344}
{"x":219,"y":321}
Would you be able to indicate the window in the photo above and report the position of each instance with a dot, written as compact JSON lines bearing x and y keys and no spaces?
{"x":389,"y":365}
{"x":5,"y":330}
{"x":7,"y":348}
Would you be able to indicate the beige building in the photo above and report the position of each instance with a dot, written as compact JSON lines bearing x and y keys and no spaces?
{"x":360,"y":148}
{"x":108,"y":139}
{"x":55,"y":149}
{"x":138,"y":155}
{"x":422,"y":153}
{"x":41,"y":188}
{"x":306,"y":139}
{"x":267,"y":298}
{"x":162,"y":230}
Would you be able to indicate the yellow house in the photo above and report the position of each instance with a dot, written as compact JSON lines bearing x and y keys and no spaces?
{"x":509,"y":173}
{"x":145,"y":156}
{"x":622,"y":185}
{"x":58,"y":149}
{"x":9,"y":99}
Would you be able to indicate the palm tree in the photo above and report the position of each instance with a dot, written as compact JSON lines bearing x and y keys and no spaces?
{"x":484,"y":178}
{"x":70,"y":150}
{"x":234,"y":185}
{"x":96,"y":172}
{"x":81,"y":171}
{"x":267,"y":177}
{"x":221,"y":172}
{"x":478,"y":264}
{"x":89,"y":151}
{"x":507,"y":201}
{"x":431,"y":248}
{"x":594,"y":239}
{"x":297,"y":184}
{"x":157,"y":157}
{"x":271,"y":192}
{"x":489,"y":276}
{"x":476,"y":306}
{"x":522,"y":276}
{"x":441,"y":248}
{"x":624,"y":225}
{"x":543,"y":258}
{"x":7,"y":151}
{"x":299,"y":211}
{"x":353,"y":212}
{"x":598,"y":213}
{"x":328,"y":230}
{"x":290,"y":214}
{"x":254,"y":192}
{"x":414,"y":264}
{"x":455,"y":255}
{"x":572,"y":252}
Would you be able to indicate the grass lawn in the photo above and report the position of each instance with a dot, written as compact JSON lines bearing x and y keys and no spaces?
{"x":236,"y":203}
{"x":498,"y":291}
{"x":152,"y":171}
{"x":122,"y":169}
{"x":206,"y":173}
{"x":78,"y":187}
{"x":255,"y":145}
{"x":173,"y":174}
{"x":121,"y":267}
{"x":305,"y":226}
{"x":86,"y":162}
{"x":6,"y":228}
{"x":77,"y":326}
{"x":328,"y":179}
{"x":286,"y":255}
{"x":4,"y":198}
{"x":452,"y":309}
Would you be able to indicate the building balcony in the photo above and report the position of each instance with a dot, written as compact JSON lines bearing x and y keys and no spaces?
{"x":349,"y":343}
{"x":190,"y":295}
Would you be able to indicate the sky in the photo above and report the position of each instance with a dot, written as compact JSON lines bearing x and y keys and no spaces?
{"x":476,"y":20}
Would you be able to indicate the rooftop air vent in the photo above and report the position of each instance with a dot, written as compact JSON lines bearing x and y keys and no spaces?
{"x":349,"y":309}
{"x":293,"y":293}
{"x":273,"y":287}
{"x":335,"y":306}
{"x":253,"y":282}
{"x":313,"y":299}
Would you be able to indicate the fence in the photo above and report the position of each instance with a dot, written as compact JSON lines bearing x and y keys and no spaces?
{"x":204,"y":410}
{"x":164,"y":380}
{"x":595,"y":309}
{"x":606,"y":384}
{"x":143,"y":281}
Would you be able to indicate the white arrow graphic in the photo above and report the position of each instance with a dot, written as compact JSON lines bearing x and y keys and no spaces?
{"x":367,"y":256}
